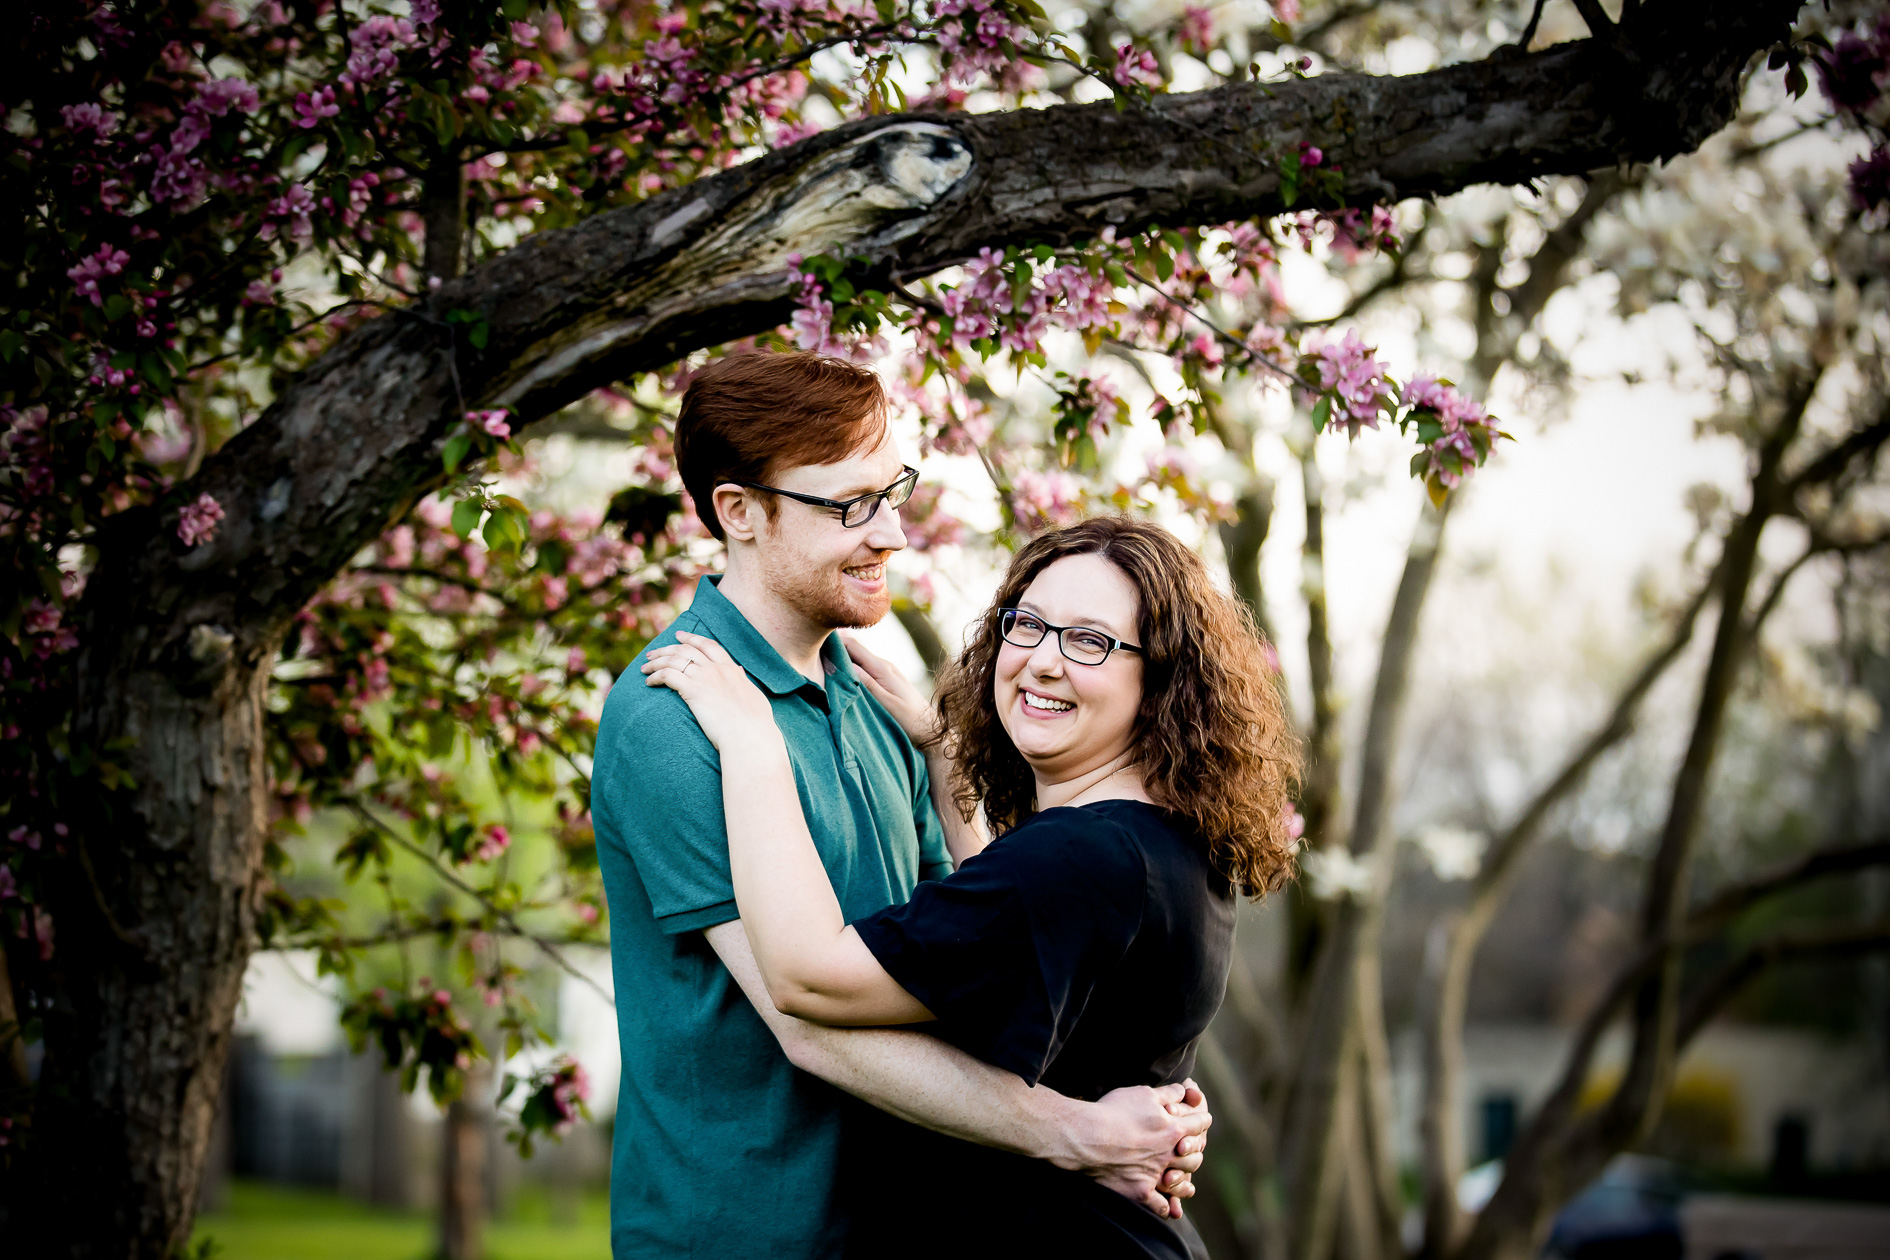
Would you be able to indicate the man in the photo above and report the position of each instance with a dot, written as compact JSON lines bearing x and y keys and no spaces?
{"x":729,"y":1120}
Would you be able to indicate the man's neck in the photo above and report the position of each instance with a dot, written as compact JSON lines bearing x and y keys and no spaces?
{"x":796,"y":638}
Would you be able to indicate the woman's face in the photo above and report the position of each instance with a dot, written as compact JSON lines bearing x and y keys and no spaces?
{"x":1067,"y":718}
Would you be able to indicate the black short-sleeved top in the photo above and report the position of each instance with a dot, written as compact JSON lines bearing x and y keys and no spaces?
{"x":1085,"y":950}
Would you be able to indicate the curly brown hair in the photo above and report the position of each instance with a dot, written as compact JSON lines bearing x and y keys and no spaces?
{"x":1211,"y":736}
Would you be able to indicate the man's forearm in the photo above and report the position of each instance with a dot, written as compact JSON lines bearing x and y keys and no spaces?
{"x":918,"y":1078}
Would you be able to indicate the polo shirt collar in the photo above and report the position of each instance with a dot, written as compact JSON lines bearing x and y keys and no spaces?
{"x":727,"y":626}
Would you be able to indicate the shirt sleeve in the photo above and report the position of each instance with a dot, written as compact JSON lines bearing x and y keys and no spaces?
{"x":656,"y":792}
{"x":1007,"y":950}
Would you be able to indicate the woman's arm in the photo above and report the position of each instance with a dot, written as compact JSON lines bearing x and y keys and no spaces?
{"x":815,"y":966}
{"x":964,"y":837}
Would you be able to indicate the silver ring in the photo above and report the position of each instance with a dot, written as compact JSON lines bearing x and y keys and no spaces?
{"x":686,"y":665}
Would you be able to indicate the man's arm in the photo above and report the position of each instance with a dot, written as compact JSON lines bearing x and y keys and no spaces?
{"x":1130,"y":1140}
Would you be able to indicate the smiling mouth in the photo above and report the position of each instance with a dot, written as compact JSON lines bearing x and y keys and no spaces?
{"x":868,"y":573}
{"x":1045,"y":704}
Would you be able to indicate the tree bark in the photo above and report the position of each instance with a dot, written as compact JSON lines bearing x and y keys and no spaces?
{"x":1242,"y":540}
{"x":464,"y":1135}
{"x":157,"y":927}
{"x":1319,"y":784}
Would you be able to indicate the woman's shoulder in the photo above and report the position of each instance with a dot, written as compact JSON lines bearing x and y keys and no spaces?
{"x":1096,"y":846}
{"x":1170,"y":842}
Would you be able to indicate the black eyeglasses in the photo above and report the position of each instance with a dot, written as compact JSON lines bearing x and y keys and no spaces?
{"x":1079,"y":643}
{"x":852,"y":512}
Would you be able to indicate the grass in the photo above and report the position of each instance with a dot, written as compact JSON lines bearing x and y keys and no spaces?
{"x":268,"y":1222}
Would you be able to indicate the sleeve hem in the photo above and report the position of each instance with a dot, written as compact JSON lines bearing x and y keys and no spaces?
{"x":698,"y":919}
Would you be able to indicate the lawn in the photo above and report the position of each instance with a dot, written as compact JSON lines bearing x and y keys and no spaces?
{"x":267,"y":1222}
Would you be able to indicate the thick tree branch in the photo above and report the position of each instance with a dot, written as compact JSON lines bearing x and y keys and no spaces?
{"x":1724,"y":984}
{"x":353,"y":442}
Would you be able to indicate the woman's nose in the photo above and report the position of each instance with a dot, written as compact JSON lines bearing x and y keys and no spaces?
{"x":1046,"y":659}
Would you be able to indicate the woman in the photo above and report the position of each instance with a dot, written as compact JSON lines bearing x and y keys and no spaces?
{"x":1115,"y":719}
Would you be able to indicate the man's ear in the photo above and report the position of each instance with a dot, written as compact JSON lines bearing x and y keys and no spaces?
{"x":737,"y":512}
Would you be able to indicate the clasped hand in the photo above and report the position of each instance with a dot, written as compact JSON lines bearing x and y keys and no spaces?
{"x":729,"y":708}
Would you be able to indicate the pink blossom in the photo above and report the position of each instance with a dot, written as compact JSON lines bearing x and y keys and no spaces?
{"x":1082,"y":295}
{"x":1295,"y":821}
{"x":1136,"y":67}
{"x":8,"y":888}
{"x":1286,"y":10}
{"x":89,"y":271}
{"x":1170,"y":464}
{"x":497,"y":840}
{"x":24,"y":836}
{"x":377,"y":44}
{"x":1357,"y":379}
{"x":492,"y":423}
{"x":291,"y":210}
{"x":259,"y":293}
{"x":1207,"y":348}
{"x":576,"y":661}
{"x":424,"y":12}
{"x":1310,"y":154}
{"x":312,"y":107}
{"x":1196,"y":31}
{"x":177,"y":177}
{"x":219,"y":96}
{"x":1043,"y":499}
{"x":973,"y":43}
{"x":89,"y":119}
{"x":198,"y":521}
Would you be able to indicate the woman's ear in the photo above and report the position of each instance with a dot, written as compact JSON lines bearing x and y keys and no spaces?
{"x":736,"y":511}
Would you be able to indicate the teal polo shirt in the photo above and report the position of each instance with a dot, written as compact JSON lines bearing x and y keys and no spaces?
{"x":723,"y":1148}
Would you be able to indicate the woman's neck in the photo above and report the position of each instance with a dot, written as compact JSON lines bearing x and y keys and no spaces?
{"x":1118,"y":779}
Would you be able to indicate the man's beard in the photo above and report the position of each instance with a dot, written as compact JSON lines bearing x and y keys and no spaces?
{"x":820,"y":595}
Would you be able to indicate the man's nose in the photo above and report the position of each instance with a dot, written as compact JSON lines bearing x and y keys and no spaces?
{"x":885,"y":532}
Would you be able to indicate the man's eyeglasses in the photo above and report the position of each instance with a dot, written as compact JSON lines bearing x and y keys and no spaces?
{"x":1079,"y":643}
{"x":855,"y":511}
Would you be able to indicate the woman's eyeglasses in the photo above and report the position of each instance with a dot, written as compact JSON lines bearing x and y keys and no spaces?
{"x":1079,"y":643}
{"x":852,"y":512}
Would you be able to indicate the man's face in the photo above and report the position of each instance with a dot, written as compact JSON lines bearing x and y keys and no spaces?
{"x":832,"y":575}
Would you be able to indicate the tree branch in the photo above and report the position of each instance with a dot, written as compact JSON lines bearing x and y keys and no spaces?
{"x":354,"y":441}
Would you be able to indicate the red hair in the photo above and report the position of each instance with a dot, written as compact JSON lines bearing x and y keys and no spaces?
{"x":746,"y":417}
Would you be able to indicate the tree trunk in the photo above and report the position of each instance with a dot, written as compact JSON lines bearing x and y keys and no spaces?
{"x":1311,"y":1128}
{"x":1556,"y":1153}
{"x":464,"y":1136}
{"x":1319,"y":786}
{"x":156,"y":918}
{"x":1440,"y":1130}
{"x":1242,"y":540}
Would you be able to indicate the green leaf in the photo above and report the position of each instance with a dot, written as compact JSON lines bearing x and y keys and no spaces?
{"x":478,"y":334}
{"x":1322,"y":413}
{"x":498,"y":531}
{"x":466,"y":515}
{"x":117,"y":306}
{"x":455,"y":452}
